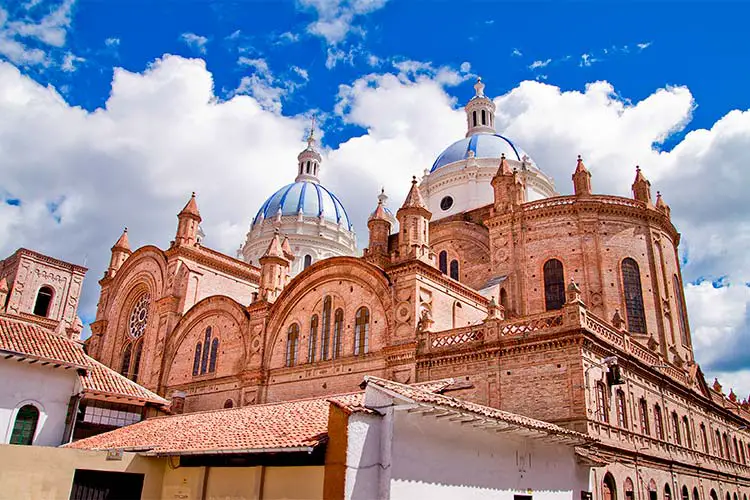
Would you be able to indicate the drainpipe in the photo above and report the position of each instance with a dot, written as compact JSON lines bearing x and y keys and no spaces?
{"x":386,"y":455}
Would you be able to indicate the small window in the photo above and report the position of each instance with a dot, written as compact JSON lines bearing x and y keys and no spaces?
{"x":206,"y":350}
{"x":43,"y":301}
{"x":308,"y":261}
{"x":602,"y":409}
{"x":446,"y":203}
{"x":643,"y":410}
{"x":338,"y":328}
{"x":504,"y":299}
{"x":214,"y":353}
{"x":454,"y":270}
{"x":681,"y":319}
{"x":667,"y":492}
{"x":474,"y":116}
{"x":704,"y":438}
{"x":228,"y":403}
{"x":127,"y":354}
{"x":658,"y":422}
{"x":197,"y":360}
{"x":443,"y":262}
{"x":676,"y":428}
{"x":326,"y":332}
{"x":24,"y":427}
{"x":313,"y":340}
{"x":685,"y":493}
{"x":696,"y":495}
{"x":484,"y":117}
{"x":718,"y":446}
{"x":622,"y":417}
{"x":292,"y":340}
{"x":686,"y":431}
{"x":631,"y":282}
{"x":361,"y":331}
{"x":136,"y":362}
{"x":554,"y":285}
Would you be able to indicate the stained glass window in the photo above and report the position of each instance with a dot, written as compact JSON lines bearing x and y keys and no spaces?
{"x":197,"y":359}
{"x":139,"y":316}
{"x":214,"y":353}
{"x":554,"y":285}
{"x":631,"y":282}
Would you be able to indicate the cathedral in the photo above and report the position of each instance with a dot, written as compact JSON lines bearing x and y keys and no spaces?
{"x":568,"y":309}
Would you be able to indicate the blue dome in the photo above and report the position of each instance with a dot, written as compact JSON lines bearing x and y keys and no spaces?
{"x":310,"y":198}
{"x":483,"y":146}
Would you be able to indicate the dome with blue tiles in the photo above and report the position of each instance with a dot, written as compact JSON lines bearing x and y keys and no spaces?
{"x":482,"y":146}
{"x":308,"y":198}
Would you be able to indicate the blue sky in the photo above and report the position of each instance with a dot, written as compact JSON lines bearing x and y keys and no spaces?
{"x":112,"y":112}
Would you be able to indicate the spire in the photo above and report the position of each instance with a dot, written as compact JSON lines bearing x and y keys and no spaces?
{"x":661,"y":205}
{"x":274,"y":270}
{"x":379,"y":213}
{"x":641,"y":187}
{"x":309,"y":160}
{"x":286,"y":248}
{"x":504,"y":167}
{"x":191,"y":208}
{"x":581,"y":179}
{"x":275,"y":249}
{"x":122,"y":243}
{"x":414,"y":198}
{"x":480,"y":112}
{"x":379,"y":226}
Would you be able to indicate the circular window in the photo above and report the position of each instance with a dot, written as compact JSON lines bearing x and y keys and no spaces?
{"x":446,"y":203}
{"x":139,"y":316}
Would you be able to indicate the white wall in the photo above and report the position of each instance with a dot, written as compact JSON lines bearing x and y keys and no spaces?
{"x":425,"y":457}
{"x":49,"y":389}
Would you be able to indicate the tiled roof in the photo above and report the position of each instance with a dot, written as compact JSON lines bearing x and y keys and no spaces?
{"x":100,"y":379}
{"x":420,"y":395}
{"x":33,"y":341}
{"x":288,"y":425}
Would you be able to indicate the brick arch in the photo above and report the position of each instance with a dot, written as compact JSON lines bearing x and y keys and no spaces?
{"x":344,"y":269}
{"x":467,"y":243}
{"x":216,"y":306}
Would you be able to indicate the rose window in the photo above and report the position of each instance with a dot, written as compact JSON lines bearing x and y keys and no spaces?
{"x":139,"y":316}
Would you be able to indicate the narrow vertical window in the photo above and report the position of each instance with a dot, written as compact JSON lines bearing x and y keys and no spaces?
{"x":727,"y":448}
{"x":313,"y":340}
{"x":602,"y":409}
{"x":504,"y":299}
{"x":676,"y":428}
{"x":667,"y":492}
{"x":308,"y":261}
{"x":361,"y":331}
{"x":686,"y":431}
{"x":197,"y":360}
{"x":325,"y":341}
{"x":554,"y":285}
{"x":658,"y":422}
{"x":631,"y":282}
{"x":718,"y":446}
{"x":454,"y":269}
{"x":736,"y":451}
{"x":206,"y":344}
{"x":622,"y":417}
{"x":126,"y":357}
{"x":474,"y":116}
{"x":643,"y":410}
{"x":292,"y":339}
{"x":214,"y":353}
{"x":24,"y":427}
{"x":137,"y":361}
{"x":43,"y":301}
{"x":681,"y":319}
{"x":742,"y":452}
{"x":338,"y":327}
{"x":443,"y":262}
{"x":704,"y":438}
{"x":484,"y":117}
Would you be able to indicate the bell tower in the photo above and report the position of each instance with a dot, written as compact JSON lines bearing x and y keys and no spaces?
{"x":480,"y":112}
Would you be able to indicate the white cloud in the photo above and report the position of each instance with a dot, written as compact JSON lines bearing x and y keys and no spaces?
{"x":50,"y":30}
{"x":70,"y":62}
{"x":195,"y":42}
{"x":516,"y":53}
{"x":540,"y":64}
{"x":17,"y":36}
{"x":302,"y":73}
{"x":336,"y":18}
{"x":587,"y":60}
{"x":112,"y":42}
{"x":644,"y":45}
{"x":288,"y":37}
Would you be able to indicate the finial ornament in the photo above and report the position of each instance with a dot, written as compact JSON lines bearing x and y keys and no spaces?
{"x":479,"y":87}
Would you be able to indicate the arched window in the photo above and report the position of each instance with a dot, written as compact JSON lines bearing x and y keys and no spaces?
{"x":704,"y":438}
{"x":455,"y":317}
{"x":727,"y":448}
{"x":474,"y":115}
{"x":658,"y":422}
{"x":292,"y":339}
{"x":676,"y":428}
{"x":602,"y":408}
{"x":126,"y":357}
{"x":139,"y":316}
{"x":643,"y":414}
{"x":484,"y":117}
{"x":742,"y":452}
{"x":622,"y":417}
{"x":312,"y":341}
{"x":361,"y":331}
{"x":609,"y":490}
{"x":714,"y":496}
{"x":718,"y":446}
{"x":214,"y":352}
{"x":443,"y":262}
{"x":308,"y":166}
{"x":136,"y":361}
{"x":43,"y":301}
{"x":197,"y":360}
{"x":728,"y":497}
{"x":628,"y":488}
{"x":308,"y":261}
{"x":454,"y":269}
{"x":554,"y":285}
{"x":652,"y":494}
{"x":338,"y":327}
{"x":206,"y":350}
{"x":326,"y":338}
{"x":686,"y":431}
{"x":504,"y":299}
{"x":667,"y":492}
{"x":736,"y":451}
{"x":696,"y":495}
{"x":681,"y":316}
{"x":24,"y":427}
{"x":685,"y":493}
{"x":228,"y":403}
{"x":631,"y":282}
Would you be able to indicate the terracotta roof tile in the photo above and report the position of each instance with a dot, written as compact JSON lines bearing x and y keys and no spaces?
{"x":421,"y":395}
{"x":33,"y":341}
